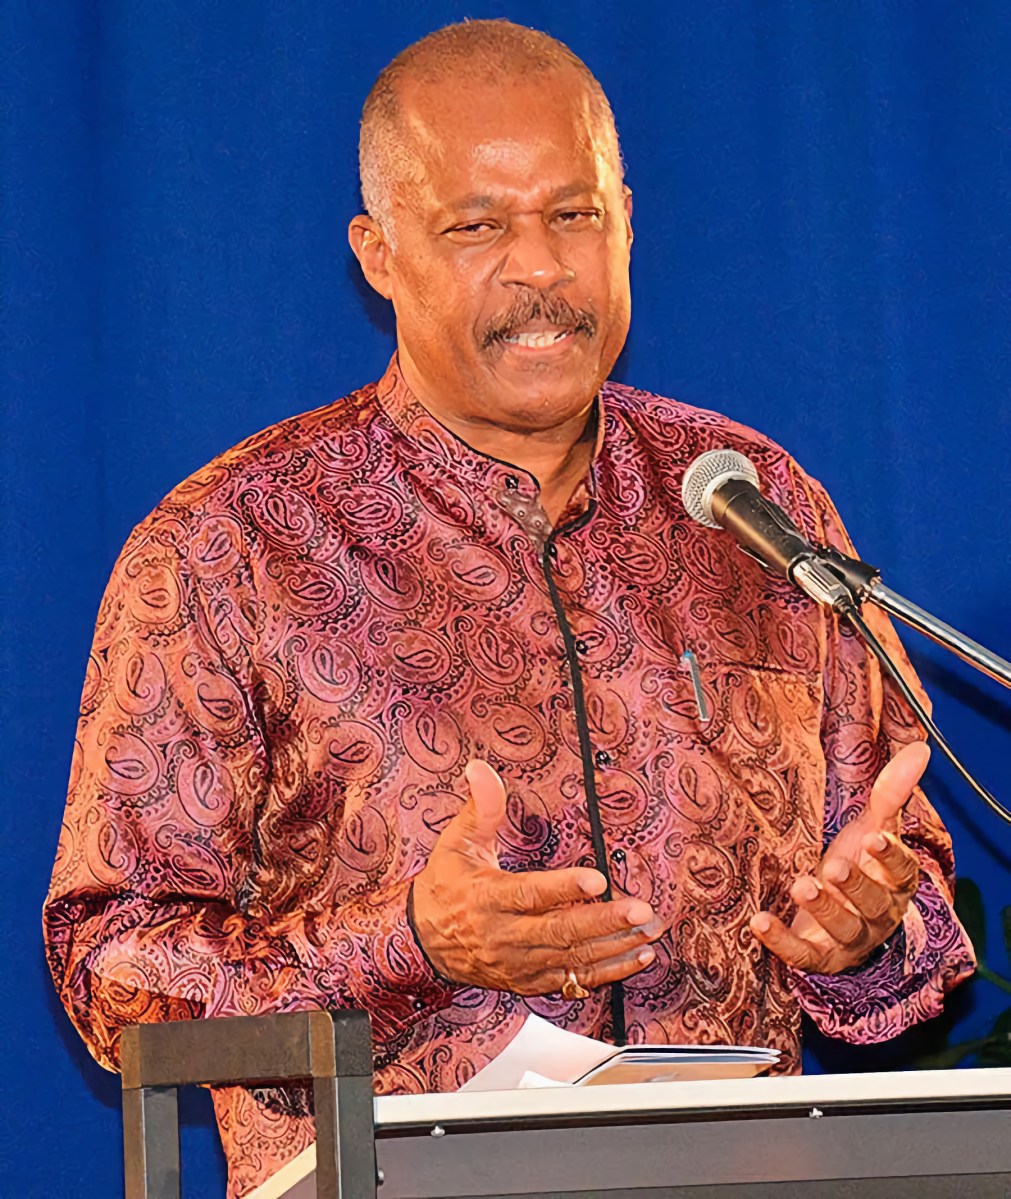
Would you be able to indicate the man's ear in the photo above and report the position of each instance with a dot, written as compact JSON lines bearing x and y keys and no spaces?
{"x":627,"y":192}
{"x":370,"y":247}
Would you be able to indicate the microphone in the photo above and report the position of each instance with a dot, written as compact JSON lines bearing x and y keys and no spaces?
{"x":721,"y":490}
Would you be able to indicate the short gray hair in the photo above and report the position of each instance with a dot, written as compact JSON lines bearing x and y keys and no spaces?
{"x":473,"y":50}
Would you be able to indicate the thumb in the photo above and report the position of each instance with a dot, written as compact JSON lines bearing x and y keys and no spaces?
{"x":895,"y":784}
{"x":476,"y":825}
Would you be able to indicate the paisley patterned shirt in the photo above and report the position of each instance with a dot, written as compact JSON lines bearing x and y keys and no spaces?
{"x":303,"y":645}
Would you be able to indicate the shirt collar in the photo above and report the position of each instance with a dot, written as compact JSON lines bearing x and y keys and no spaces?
{"x":513,"y":488}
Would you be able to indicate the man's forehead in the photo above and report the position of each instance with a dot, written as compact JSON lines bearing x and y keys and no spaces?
{"x":557,"y":193}
{"x":430,"y":93}
{"x":457,"y":111}
{"x":468,"y":138}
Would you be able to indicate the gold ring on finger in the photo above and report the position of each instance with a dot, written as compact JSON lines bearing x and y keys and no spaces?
{"x":572,"y":988}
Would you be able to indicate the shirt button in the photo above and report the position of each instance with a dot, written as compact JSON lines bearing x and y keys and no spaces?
{"x":553,"y":552}
{"x":618,"y":856}
{"x":418,"y":1005}
{"x":581,"y":646}
{"x":602,"y":758}
{"x":511,"y":482}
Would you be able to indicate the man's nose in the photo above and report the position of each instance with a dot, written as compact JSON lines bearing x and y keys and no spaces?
{"x":532,"y":259}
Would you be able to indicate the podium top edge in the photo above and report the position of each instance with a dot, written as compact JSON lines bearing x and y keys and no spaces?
{"x":944,"y":1088}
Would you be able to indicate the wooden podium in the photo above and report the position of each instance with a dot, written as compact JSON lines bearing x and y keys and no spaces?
{"x":874,"y":1136}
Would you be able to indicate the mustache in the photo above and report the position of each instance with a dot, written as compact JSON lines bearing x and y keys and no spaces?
{"x":533,"y":306}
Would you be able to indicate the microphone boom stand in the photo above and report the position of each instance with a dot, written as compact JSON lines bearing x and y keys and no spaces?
{"x":844,"y":583}
{"x":833,"y":578}
{"x":917,"y":618}
{"x":720,"y":489}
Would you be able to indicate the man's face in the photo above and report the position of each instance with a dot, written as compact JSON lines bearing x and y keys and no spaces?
{"x":509,"y":266}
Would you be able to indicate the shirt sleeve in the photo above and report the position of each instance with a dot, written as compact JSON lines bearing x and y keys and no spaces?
{"x":866,"y":721}
{"x":153,"y":911}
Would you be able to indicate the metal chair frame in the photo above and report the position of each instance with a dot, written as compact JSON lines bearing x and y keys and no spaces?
{"x":333,"y":1050}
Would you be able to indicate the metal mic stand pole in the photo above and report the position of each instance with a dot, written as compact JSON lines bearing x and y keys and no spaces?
{"x":968,"y":650}
{"x":831,"y":577}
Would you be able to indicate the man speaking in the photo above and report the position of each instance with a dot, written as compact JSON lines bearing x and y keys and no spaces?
{"x":435,"y":702}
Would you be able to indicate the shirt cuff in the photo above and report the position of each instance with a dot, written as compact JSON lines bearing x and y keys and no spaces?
{"x":902,"y":983}
{"x":397,"y":983}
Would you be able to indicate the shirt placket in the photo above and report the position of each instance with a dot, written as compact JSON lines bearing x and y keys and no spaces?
{"x":594,"y":759}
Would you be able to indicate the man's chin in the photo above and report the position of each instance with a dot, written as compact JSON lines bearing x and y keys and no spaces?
{"x":531,"y":396}
{"x":524,"y":379}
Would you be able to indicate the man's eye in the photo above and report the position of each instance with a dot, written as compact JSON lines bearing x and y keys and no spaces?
{"x":473,"y":229}
{"x":579,"y":216}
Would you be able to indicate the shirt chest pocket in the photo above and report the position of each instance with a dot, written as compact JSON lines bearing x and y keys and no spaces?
{"x":750,"y":735}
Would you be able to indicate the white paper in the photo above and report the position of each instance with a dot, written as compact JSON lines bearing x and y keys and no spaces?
{"x":537,"y":1082}
{"x":542,"y":1055}
{"x":540,"y":1048}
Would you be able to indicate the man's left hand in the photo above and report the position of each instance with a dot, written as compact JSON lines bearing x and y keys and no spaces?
{"x":857,"y":897}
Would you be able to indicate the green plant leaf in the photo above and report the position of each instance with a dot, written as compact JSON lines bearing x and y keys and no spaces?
{"x":969,"y":909}
{"x":950,"y":1056}
{"x":1002,"y":1025}
{"x":1005,"y":920}
{"x":997,"y":1050}
{"x":991,"y":976}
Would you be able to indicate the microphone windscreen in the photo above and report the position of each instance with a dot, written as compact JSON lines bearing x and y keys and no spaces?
{"x":708,"y":472}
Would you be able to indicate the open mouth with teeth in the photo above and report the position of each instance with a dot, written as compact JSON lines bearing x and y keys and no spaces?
{"x":538,"y":339}
{"x":539,"y":328}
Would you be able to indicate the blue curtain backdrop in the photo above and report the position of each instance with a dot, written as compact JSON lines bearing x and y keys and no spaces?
{"x":821,"y":208}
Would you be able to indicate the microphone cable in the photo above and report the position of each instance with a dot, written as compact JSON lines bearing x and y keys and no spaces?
{"x":852,"y":613}
{"x":721,"y":490}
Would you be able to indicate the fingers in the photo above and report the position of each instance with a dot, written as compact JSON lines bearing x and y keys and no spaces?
{"x":590,"y":954}
{"x":534,"y":892}
{"x":548,"y":945}
{"x":524,"y":964}
{"x":898,"y":861}
{"x":846,"y":928}
{"x":895,"y":784}
{"x":592,"y":932}
{"x":474,"y":832}
{"x":474,"y":829}
{"x":611,"y":970}
{"x":795,"y":950}
{"x":487,"y":803}
{"x":873,"y":901}
{"x":867,"y":880}
{"x":520,"y":931}
{"x":844,"y":917}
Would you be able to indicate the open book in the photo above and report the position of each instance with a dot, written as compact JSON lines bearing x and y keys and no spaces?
{"x":543,"y":1055}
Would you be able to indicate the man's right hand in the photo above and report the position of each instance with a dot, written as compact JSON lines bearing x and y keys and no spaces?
{"x":486,"y":927}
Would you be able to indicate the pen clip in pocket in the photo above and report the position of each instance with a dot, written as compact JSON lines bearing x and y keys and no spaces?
{"x":689,"y":659}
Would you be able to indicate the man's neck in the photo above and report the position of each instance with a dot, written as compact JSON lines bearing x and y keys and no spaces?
{"x":558,"y":462}
{"x":558,"y":458}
